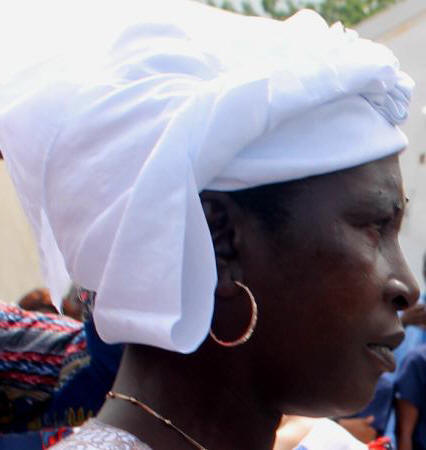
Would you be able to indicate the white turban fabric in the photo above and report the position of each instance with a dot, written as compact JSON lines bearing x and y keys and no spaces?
{"x":110,"y":143}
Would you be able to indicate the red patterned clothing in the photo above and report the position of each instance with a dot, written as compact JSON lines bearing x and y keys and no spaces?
{"x":39,"y":353}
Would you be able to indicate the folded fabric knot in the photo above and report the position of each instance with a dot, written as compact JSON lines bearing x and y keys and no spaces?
{"x":392,"y":104}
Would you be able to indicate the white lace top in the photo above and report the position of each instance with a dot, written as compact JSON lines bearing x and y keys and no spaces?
{"x":94,"y":435}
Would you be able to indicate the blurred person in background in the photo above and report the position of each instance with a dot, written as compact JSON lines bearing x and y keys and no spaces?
{"x":410,"y":387}
{"x":54,"y":374}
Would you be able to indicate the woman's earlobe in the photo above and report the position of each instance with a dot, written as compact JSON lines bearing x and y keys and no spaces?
{"x":220,"y":214}
{"x":222,"y":229}
{"x":226,"y":276}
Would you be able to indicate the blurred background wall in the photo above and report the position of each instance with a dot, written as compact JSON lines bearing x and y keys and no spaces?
{"x":19,"y":267}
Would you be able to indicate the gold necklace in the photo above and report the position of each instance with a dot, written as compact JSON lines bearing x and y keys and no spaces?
{"x":149,"y":410}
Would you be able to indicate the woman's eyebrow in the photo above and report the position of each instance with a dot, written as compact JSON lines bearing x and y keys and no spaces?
{"x":374,"y":203}
{"x":379,"y":200}
{"x":385,"y":201}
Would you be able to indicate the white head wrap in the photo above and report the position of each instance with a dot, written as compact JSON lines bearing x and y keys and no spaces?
{"x":110,"y":145}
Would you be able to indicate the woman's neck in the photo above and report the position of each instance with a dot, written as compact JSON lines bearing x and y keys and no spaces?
{"x":198,"y":393}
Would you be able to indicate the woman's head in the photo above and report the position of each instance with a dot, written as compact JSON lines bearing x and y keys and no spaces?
{"x":167,"y":109}
{"x":322,"y":258}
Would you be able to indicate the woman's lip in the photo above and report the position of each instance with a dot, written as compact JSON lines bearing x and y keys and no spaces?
{"x":382,"y":357}
{"x":380,"y":350}
{"x":391,"y":340}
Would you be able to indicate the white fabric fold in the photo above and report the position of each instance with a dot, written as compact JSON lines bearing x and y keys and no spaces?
{"x":110,"y":144}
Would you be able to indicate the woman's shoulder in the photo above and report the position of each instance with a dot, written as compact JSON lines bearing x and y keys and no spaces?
{"x":97,"y":435}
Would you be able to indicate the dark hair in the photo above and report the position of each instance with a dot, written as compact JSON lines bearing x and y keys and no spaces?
{"x":271,"y":204}
{"x":38,"y":300}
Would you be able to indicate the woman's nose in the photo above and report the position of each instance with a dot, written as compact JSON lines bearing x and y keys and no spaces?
{"x":402,"y":292}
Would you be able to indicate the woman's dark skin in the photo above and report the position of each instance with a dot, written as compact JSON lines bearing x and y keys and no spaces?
{"x":327,"y":283}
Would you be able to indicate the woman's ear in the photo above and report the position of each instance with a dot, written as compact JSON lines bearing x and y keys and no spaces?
{"x":223,"y":217}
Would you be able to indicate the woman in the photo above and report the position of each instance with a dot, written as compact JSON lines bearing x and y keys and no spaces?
{"x":292,"y":140}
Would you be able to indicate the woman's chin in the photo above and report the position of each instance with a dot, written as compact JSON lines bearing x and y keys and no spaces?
{"x":353,"y":404}
{"x":342,"y":406}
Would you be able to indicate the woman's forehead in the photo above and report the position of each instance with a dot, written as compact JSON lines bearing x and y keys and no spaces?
{"x":381,"y":178}
{"x":378,"y":180}
{"x":375,"y":184}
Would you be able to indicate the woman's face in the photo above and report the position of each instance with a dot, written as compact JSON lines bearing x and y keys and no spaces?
{"x":329,"y":286}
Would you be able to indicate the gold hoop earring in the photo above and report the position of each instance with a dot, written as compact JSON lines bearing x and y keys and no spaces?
{"x":252,"y":325}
